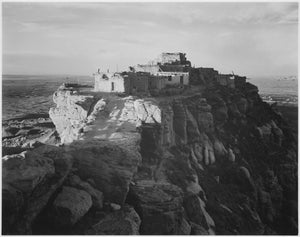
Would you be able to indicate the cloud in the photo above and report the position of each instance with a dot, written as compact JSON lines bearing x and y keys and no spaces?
{"x":129,"y":33}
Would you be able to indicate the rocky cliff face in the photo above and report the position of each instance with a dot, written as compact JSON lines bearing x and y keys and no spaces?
{"x":70,"y":113}
{"x":219,"y":161}
{"x":232,"y":153}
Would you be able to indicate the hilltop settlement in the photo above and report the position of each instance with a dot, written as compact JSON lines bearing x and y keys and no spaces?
{"x":164,"y":148}
{"x":170,"y":69}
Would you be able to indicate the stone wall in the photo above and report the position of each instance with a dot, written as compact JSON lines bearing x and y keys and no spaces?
{"x":239,"y":81}
{"x":139,"y":82}
{"x":157,"y":82}
{"x":171,"y":57}
{"x":203,"y":76}
{"x":109,"y":83}
{"x":152,"y":69}
{"x":226,"y":80}
{"x":174,"y":78}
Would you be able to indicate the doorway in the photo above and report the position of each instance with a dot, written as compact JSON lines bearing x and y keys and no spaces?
{"x":181,"y":80}
{"x":112,"y":86}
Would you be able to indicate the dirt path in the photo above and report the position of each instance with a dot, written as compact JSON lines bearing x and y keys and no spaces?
{"x":115,"y":122}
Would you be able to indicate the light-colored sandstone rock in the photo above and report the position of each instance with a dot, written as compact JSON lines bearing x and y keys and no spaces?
{"x":219,"y":148}
{"x":99,"y":106}
{"x":147,"y":111}
{"x":115,"y":206}
{"x":198,"y":152}
{"x":231,"y":155}
{"x":212,"y":157}
{"x":206,"y":154}
{"x":70,"y":113}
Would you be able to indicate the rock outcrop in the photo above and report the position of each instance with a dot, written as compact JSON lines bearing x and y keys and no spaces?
{"x":29,"y":181}
{"x":96,"y":195}
{"x":69,"y":206}
{"x":110,"y":165}
{"x":216,"y":160}
{"x":160,"y":206}
{"x":70,"y":113}
{"x":122,"y":222}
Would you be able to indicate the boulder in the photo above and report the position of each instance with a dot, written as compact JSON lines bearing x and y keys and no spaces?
{"x":115,"y":207}
{"x":76,"y":182}
{"x":219,"y":148}
{"x":160,"y":205}
{"x":198,"y":229}
{"x":231,"y":155}
{"x":147,"y":111}
{"x":121,"y":222}
{"x":110,"y":164}
{"x":36,"y":176}
{"x":198,"y":152}
{"x":265,"y":132}
{"x":207,"y":149}
{"x":69,"y":206}
{"x":25,"y":171}
{"x":195,"y":209}
{"x":201,"y":111}
{"x":70,"y":113}
{"x":12,"y":203}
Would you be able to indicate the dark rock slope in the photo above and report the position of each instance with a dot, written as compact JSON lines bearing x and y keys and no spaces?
{"x":218,"y":161}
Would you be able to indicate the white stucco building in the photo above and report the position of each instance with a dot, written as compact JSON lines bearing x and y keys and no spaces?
{"x":109,"y":82}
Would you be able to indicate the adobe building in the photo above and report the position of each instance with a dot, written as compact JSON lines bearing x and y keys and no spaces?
{"x":109,"y":82}
{"x":170,"y":69}
{"x":226,"y":80}
{"x":125,"y":82}
{"x":239,"y":81}
{"x":203,"y":76}
{"x":173,"y":66}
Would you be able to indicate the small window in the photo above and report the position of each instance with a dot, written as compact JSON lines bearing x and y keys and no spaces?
{"x":169,"y":78}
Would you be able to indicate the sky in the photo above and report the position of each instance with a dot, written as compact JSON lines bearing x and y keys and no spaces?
{"x":252,"y":39}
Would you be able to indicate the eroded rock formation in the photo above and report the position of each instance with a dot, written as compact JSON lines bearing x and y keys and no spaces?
{"x":218,"y":161}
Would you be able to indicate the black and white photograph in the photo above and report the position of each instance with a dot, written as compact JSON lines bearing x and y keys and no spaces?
{"x":149,"y":118}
